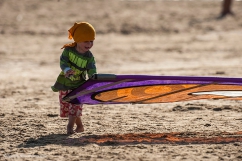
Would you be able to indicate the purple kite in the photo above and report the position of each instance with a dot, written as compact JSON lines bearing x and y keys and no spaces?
{"x":146,"y":89}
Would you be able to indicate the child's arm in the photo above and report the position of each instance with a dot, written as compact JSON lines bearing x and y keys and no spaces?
{"x":64,"y":59}
{"x":91,"y":68}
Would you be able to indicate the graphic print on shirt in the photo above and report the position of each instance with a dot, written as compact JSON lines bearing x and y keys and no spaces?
{"x":78,"y":65}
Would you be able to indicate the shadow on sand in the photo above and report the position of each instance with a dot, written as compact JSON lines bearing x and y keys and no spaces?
{"x":180,"y":138}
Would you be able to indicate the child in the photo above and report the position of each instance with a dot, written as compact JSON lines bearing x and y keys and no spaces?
{"x":76,"y":61}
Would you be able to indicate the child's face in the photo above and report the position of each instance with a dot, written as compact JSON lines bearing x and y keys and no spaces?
{"x":84,"y":46}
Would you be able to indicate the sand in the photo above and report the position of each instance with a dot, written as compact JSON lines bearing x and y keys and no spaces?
{"x":181,"y":38}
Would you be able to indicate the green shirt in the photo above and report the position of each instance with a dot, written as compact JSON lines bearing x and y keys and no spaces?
{"x":82,"y":64}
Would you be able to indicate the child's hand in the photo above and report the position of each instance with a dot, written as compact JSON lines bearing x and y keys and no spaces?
{"x":69,"y":73}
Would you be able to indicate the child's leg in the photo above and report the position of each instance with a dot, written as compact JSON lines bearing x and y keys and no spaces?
{"x":70,"y":125}
{"x":79,"y":126}
{"x":74,"y":112}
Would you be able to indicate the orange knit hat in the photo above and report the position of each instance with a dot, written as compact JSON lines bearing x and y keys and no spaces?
{"x":80,"y":32}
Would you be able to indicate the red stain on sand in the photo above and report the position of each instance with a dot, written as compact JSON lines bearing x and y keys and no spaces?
{"x":165,"y":138}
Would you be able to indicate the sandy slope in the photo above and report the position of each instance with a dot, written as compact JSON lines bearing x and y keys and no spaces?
{"x":133,"y":37}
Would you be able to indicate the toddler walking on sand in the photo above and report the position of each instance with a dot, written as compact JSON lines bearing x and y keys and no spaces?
{"x":76,"y":61}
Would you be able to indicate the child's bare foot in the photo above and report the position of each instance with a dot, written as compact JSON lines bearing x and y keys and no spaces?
{"x":79,"y":126}
{"x":79,"y":129}
{"x":70,"y":125}
{"x":70,"y":130}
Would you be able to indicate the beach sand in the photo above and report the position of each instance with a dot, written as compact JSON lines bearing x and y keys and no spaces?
{"x":177,"y":38}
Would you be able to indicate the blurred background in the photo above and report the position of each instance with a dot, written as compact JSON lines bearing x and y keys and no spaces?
{"x":152,"y":37}
{"x":54,"y":17}
{"x":158,"y":37}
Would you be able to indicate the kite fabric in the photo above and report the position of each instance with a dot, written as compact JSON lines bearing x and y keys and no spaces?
{"x":146,"y":89}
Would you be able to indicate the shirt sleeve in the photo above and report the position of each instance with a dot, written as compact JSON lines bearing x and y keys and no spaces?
{"x":64,"y":59}
{"x":91,"y":68}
